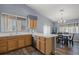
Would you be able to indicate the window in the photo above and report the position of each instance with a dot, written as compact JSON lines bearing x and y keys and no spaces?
{"x":14,"y":25}
{"x":21,"y":24}
{"x":46,"y":29}
{"x":76,"y":29}
{"x":70,"y":29}
{"x":9,"y":23}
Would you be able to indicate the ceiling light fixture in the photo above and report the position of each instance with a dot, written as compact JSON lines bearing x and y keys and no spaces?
{"x":61,"y":21}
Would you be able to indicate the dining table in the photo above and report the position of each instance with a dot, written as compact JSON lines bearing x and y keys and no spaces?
{"x":65,"y":38}
{"x":66,"y":35}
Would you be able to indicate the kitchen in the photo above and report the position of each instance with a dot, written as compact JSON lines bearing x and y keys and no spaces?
{"x":18,"y":31}
{"x":25,"y":31}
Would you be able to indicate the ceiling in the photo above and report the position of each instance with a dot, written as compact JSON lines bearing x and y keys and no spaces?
{"x":52,"y":11}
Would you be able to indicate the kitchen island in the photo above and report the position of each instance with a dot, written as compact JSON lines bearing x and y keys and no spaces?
{"x":45,"y":43}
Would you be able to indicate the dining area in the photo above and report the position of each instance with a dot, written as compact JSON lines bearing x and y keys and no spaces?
{"x":65,"y":44}
{"x":65,"y":39}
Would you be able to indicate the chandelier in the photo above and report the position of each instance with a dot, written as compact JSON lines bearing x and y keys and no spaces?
{"x":61,"y":20}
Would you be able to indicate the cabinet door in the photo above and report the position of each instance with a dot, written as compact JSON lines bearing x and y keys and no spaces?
{"x":12,"y":44}
{"x":48,"y":45}
{"x":28,"y":40}
{"x":20,"y":42}
{"x":42,"y":44}
{"x":3,"y":46}
{"x":35,"y":23}
{"x":42,"y":47}
{"x":31,"y":23}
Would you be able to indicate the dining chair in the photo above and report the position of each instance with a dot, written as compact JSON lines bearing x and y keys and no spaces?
{"x":71,"y":37}
{"x":60,"y":39}
{"x":65,"y":39}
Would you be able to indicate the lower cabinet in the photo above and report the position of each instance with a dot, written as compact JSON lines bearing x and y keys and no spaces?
{"x":3,"y":45}
{"x":12,"y":43}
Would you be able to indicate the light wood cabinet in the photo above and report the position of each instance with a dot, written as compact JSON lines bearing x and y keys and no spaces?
{"x":50,"y":49}
{"x":35,"y":23}
{"x":12,"y":43}
{"x":45,"y":45}
{"x":3,"y":45}
{"x":32,"y":23}
{"x":28,"y":40}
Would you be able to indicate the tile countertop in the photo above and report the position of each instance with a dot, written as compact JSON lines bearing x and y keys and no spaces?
{"x":27,"y":33}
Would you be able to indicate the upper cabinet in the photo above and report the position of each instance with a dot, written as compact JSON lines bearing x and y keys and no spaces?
{"x":32,"y":21}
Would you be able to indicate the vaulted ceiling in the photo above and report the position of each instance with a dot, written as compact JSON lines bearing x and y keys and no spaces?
{"x":52,"y":11}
